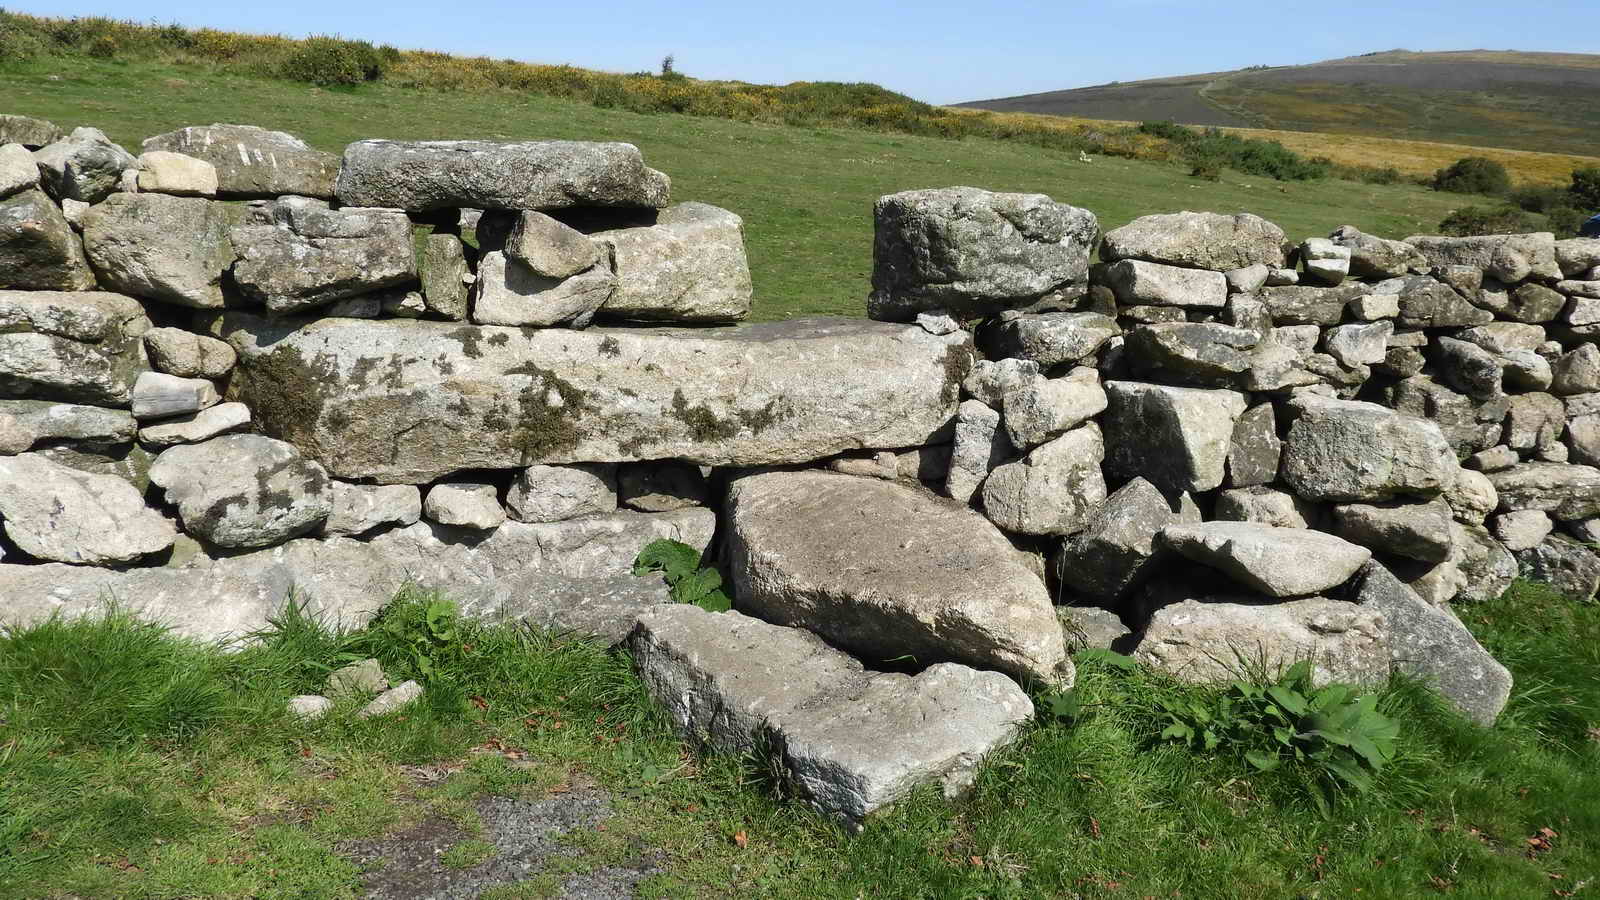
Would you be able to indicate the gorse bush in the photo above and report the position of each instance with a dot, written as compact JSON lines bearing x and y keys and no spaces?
{"x":328,"y":61}
{"x":1211,"y":150}
{"x":1585,"y":189}
{"x":1470,"y":220}
{"x":1473,"y":175}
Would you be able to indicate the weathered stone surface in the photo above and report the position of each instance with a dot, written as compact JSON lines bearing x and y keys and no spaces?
{"x":1583,"y":439}
{"x":42,"y":420}
{"x":445,"y":276}
{"x":548,"y":247}
{"x":165,"y":172}
{"x":1375,"y":257}
{"x":561,"y":576}
{"x":1137,"y":282}
{"x":1574,"y":256}
{"x":1486,"y":568}
{"x":59,"y":514}
{"x":1415,"y":530}
{"x":1247,"y":279}
{"x":84,"y":166}
{"x":254,"y":162}
{"x":1197,"y":240}
{"x":1468,"y":368}
{"x":1372,"y":307}
{"x":1428,"y":303}
{"x":1564,"y":564}
{"x":319,"y":256}
{"x":309,"y":707}
{"x":358,"y":679}
{"x":38,"y":249}
{"x":721,"y":675}
{"x":1325,"y":261}
{"x":1279,"y":562}
{"x":464,"y":504}
{"x":1473,"y":496}
{"x":1116,"y":551}
{"x":173,"y":249}
{"x":17,"y":169}
{"x":1211,"y":640}
{"x":1346,"y":450}
{"x":1534,"y":303}
{"x":1526,"y":370}
{"x":188,"y":355}
{"x":688,"y":267}
{"x":409,"y":401}
{"x":1038,"y":409}
{"x":980,"y":445}
{"x":1203,"y":353}
{"x":28,"y":131}
{"x":1468,"y":426}
{"x":160,"y":396}
{"x":1356,"y":345}
{"x":853,"y":759}
{"x":1564,"y":490}
{"x":661,"y":486}
{"x":1577,"y":372}
{"x":1049,"y":339}
{"x":1091,"y":627}
{"x":81,"y":347}
{"x":1266,"y":506}
{"x":557,"y":493}
{"x":1178,"y":438}
{"x":1308,"y":304}
{"x":1254,"y":450}
{"x":849,"y":741}
{"x":1523,"y":529}
{"x":1534,"y":421}
{"x":393,"y":700}
{"x":1507,"y":257}
{"x":509,"y":293}
{"x":1431,"y":644}
{"x":359,"y":508}
{"x":197,"y":426}
{"x":883,"y":570}
{"x":974,"y":253}
{"x":539,"y":175}
{"x":1053,"y":489}
{"x":243,"y":490}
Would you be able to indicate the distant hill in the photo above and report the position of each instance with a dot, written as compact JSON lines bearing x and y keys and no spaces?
{"x":1524,"y":101}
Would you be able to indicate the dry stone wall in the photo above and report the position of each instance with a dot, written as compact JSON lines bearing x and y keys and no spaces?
{"x":234,"y":369}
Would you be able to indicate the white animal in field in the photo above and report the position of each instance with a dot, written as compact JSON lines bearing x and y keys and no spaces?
{"x":1084,"y":157}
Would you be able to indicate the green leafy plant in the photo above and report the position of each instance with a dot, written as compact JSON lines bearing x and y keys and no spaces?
{"x":1332,"y":731}
{"x":687,"y":579}
{"x":1470,"y":220}
{"x":425,"y":627}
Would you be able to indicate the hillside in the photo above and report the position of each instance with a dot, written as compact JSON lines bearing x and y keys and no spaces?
{"x":1525,"y":101}
{"x":805,"y":193}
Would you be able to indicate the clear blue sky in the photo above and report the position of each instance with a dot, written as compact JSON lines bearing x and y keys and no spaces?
{"x":942,"y":52}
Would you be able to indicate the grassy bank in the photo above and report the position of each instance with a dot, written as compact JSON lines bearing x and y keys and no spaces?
{"x":806,"y":193}
{"x":137,"y":765}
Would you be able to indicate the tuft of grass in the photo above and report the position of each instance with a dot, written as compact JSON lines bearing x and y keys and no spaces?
{"x":1091,"y":801}
{"x":468,"y":853}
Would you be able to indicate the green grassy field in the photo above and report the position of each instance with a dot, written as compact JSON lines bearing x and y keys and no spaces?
{"x":138,"y":766}
{"x":806,"y":194}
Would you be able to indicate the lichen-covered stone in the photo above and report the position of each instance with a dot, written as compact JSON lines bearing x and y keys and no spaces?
{"x":409,"y":401}
{"x":254,"y":162}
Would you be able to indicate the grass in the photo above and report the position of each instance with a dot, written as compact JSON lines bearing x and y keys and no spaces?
{"x":216,"y":792}
{"x":805,"y":193}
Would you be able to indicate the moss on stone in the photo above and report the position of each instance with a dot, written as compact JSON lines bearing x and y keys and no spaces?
{"x":545,"y":428}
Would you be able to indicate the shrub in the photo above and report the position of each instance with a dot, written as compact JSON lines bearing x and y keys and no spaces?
{"x":1473,"y":175}
{"x":327,"y":62}
{"x":1470,"y":220}
{"x":1565,"y":221}
{"x":1210,"y":151}
{"x":1585,"y":189}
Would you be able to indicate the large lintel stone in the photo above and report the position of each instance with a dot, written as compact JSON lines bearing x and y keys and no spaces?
{"x":407,"y":401}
